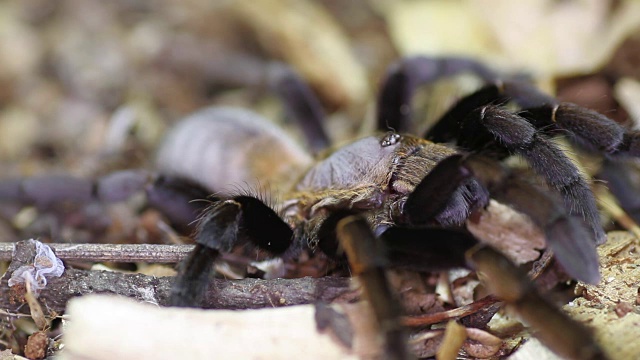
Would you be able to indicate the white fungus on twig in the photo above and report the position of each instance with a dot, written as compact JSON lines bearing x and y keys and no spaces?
{"x":45,"y":264}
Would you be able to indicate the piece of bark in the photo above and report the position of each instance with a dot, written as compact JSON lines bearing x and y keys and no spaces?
{"x":222,"y":294}
{"x":107,"y":327}
{"x":509,"y":231}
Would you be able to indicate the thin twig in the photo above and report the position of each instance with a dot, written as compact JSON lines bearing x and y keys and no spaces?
{"x":222,"y":294}
{"x":430,"y":319}
{"x":15,"y":314}
{"x":111,"y":252}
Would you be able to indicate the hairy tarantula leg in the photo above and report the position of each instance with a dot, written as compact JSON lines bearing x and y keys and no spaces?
{"x":586,"y":127}
{"x":518,"y":136}
{"x":367,"y":260}
{"x":428,"y":249}
{"x":565,"y":234}
{"x":555,"y":329}
{"x":229,"y":223}
{"x":447,"y":128}
{"x":301,"y":105}
{"x":404,"y":77}
{"x":433,"y":196}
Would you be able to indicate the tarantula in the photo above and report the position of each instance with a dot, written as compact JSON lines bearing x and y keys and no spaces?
{"x":410,"y":192}
{"x":404,"y":190}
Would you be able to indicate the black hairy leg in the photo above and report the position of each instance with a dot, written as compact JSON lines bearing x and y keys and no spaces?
{"x":227,"y":224}
{"x":565,"y":233}
{"x":583,"y":126}
{"x":492,"y":129}
{"x":422,"y":248}
{"x":427,"y":248}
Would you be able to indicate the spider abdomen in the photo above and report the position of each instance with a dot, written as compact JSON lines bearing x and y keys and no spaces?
{"x":224,"y":149}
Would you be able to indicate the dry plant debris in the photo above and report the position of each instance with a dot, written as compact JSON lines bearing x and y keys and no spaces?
{"x":611,"y":307}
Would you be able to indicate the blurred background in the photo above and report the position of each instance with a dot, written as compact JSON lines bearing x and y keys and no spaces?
{"x":90,"y":86}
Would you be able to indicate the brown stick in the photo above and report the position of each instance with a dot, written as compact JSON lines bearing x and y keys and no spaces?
{"x":223,"y":294}
{"x":111,"y":252}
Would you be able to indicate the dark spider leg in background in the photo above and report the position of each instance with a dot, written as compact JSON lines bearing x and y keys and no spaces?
{"x":229,"y":223}
{"x":171,"y":196}
{"x":565,"y":234}
{"x":180,"y":200}
{"x":45,"y":191}
{"x":619,"y":178}
{"x":404,"y":77}
{"x":301,"y":105}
